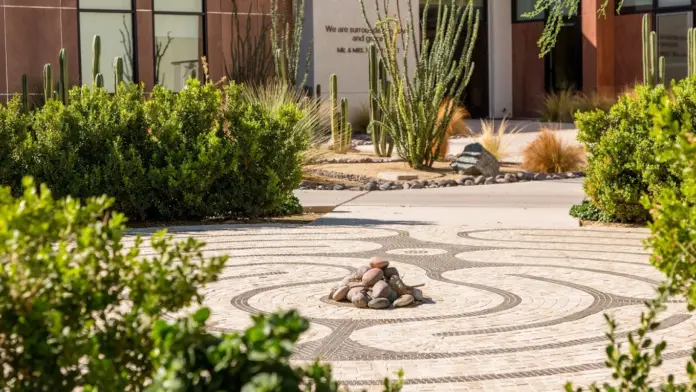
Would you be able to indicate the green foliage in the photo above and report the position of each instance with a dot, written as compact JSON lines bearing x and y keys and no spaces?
{"x":197,"y":154}
{"x":622,"y":165}
{"x":411,"y":109}
{"x":589,"y":212}
{"x":75,"y":305}
{"x":286,"y":41}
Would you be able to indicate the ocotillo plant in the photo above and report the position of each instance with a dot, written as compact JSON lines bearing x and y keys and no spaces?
{"x":691,"y":40}
{"x":48,"y":82}
{"x":377,"y":77}
{"x":63,"y":88}
{"x":118,"y":72}
{"x":341,"y":129}
{"x":25,"y":94}
{"x":287,"y":39}
{"x":410,"y":110}
{"x":653,"y":67}
{"x":96,"y":56}
{"x":99,"y":81}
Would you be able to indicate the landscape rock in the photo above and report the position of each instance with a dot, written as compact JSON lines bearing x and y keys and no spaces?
{"x":490,"y":180}
{"x":480,"y":180}
{"x":341,"y":293}
{"x":385,"y":186}
{"x":416,"y":185}
{"x":351,"y":278}
{"x":463,"y":180}
{"x":392,"y":296}
{"x":468,"y":183}
{"x":476,"y":160}
{"x":376,"y":262}
{"x":511,"y":177}
{"x":380,"y":290}
{"x":521,"y":175}
{"x":359,"y":300}
{"x":407,"y":186}
{"x":362,"y":270}
{"x":379,"y":303}
{"x":372,"y":276}
{"x":501,"y":181}
{"x":371,"y":186}
{"x":339,"y":187}
{"x":417,"y":294}
{"x":539,"y":177}
{"x":353,"y":292}
{"x":390,"y":271}
{"x":404,"y":300}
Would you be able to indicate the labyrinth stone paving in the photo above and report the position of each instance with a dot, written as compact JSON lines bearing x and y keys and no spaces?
{"x":504,"y":310}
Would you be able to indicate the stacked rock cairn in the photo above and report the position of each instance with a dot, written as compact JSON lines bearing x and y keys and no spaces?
{"x":377,"y":286}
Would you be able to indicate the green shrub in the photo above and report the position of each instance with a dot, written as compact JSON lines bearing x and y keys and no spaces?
{"x":75,"y":306}
{"x":196,"y":154}
{"x":622,"y":166}
{"x":589,"y":212}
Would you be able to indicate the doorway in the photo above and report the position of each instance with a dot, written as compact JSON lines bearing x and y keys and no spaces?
{"x":475,"y":97}
{"x":563,"y":66}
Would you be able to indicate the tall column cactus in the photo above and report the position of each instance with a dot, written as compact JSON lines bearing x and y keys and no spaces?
{"x":378,"y":85}
{"x":63,"y":88}
{"x":25,"y":94}
{"x":118,"y":72}
{"x":341,"y":129}
{"x":48,"y":82}
{"x":96,"y":56}
{"x":653,"y":66}
{"x":99,"y":81}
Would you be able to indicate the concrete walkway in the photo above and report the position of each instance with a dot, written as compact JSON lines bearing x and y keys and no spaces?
{"x":517,"y":290}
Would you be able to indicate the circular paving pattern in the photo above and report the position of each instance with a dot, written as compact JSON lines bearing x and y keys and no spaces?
{"x":508,"y":309}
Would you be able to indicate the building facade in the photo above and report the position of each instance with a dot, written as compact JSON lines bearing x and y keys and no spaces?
{"x":162,"y":42}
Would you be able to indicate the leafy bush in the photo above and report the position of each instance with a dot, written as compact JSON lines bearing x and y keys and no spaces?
{"x":622,"y":166}
{"x":199,"y":153}
{"x":79,"y":311}
{"x":75,"y":306}
{"x":589,"y":212}
{"x":548,"y":153}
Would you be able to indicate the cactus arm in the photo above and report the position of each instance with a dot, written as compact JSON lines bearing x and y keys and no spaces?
{"x":661,"y":70}
{"x":64,"y":88}
{"x":96,"y":56}
{"x":645,"y":47}
{"x":333,"y":103}
{"x":48,"y":82}
{"x":653,"y":58}
{"x":118,"y":72}
{"x":25,"y":94}
{"x":99,"y":81}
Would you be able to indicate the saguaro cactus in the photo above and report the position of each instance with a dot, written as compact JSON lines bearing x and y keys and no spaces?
{"x":63,"y":77}
{"x":341,"y":129}
{"x":48,"y":82}
{"x":653,"y":66}
{"x":25,"y":94}
{"x":118,"y":72}
{"x":378,"y":85}
{"x":96,"y":56}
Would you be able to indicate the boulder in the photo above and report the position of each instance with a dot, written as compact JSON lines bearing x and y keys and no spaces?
{"x":480,"y":180}
{"x":476,"y":160}
{"x":380,"y":290}
{"x":376,"y":262}
{"x":417,"y":294}
{"x":359,"y":300}
{"x":372,"y":276}
{"x":404,"y":300}
{"x":468,"y":183}
{"x":353,"y":292}
{"x":390,"y":271}
{"x":379,"y":303}
{"x":340,"y":293}
{"x":392,"y":296}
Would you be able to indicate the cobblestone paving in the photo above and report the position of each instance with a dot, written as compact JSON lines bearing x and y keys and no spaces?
{"x":517,"y":310}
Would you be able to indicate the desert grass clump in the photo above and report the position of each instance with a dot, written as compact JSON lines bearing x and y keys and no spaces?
{"x":548,"y":153}
{"x":497,"y":141}
{"x":457,"y":124}
{"x":563,"y":105}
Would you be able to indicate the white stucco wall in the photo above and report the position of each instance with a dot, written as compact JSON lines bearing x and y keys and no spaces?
{"x":500,"y":58}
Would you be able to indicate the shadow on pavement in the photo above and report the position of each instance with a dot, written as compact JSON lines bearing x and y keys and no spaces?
{"x":336,"y":221}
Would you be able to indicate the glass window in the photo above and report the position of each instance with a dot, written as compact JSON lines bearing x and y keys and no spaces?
{"x":178,"y":49}
{"x":524,"y":6}
{"x":673,"y":3}
{"x":179,"y":5}
{"x":116,"y":33}
{"x":125,"y":5}
{"x":672,"y":43}
{"x":643,"y":4}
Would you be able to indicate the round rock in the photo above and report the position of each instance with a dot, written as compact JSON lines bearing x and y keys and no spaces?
{"x":362,"y":270}
{"x":353,"y":292}
{"x":380,"y":289}
{"x":350,"y":278}
{"x":404,"y":300}
{"x":379,"y":303}
{"x":417,"y":294}
{"x":376,"y":262}
{"x":372,"y":276}
{"x":340,"y":293}
{"x":392,"y":296}
{"x":359,"y":300}
{"x":390,"y":271}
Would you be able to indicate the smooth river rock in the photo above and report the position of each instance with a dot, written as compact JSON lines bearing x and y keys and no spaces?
{"x":390,"y":271}
{"x":362,"y":270}
{"x":372,"y":276}
{"x":359,"y":300}
{"x":417,"y":294}
{"x":376,"y":262}
{"x":340,"y":293}
{"x":379,"y":303}
{"x":380,"y":289}
{"x":404,"y":300}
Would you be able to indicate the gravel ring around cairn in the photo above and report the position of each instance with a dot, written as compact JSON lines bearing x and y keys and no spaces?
{"x":373,"y":184}
{"x":375,"y":286}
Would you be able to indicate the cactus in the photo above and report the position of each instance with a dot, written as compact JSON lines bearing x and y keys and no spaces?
{"x":691,"y":42}
{"x":99,"y":81}
{"x":282,"y":65}
{"x":118,"y":72}
{"x":653,"y":66}
{"x":96,"y":56}
{"x":25,"y":94}
{"x":48,"y":82}
{"x":341,"y":129}
{"x":63,"y":77}
{"x":318,"y":91}
{"x":378,"y":86}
